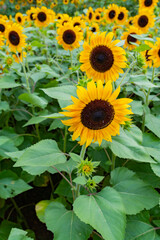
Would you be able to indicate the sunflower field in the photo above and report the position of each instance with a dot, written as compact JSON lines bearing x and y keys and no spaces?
{"x":79,"y":120}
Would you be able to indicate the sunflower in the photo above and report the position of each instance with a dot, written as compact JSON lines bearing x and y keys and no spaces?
{"x":154,"y":54}
{"x":15,"y":37}
{"x":69,"y":36}
{"x":147,"y":4}
{"x":129,"y":22}
{"x":94,"y":27}
{"x":42,"y":17}
{"x":30,"y":1}
{"x":65,"y":2}
{"x":19,"y":56}
{"x":77,"y":21}
{"x":17,"y":6}
{"x":97,"y":17}
{"x":101,"y":58}
{"x":65,"y":18}
{"x":111,"y":13}
{"x":144,"y":20}
{"x":129,"y":39}
{"x":122,"y":15}
{"x":90,"y":15}
{"x":19,"y":18}
{"x":3,"y":26}
{"x":96,"y":114}
{"x":53,"y":4}
{"x":30,"y":14}
{"x":146,"y":55}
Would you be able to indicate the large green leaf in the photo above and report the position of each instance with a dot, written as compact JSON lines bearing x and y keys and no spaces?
{"x":11,"y":185}
{"x":138,"y":230}
{"x":128,"y":145}
{"x":65,"y":224}
{"x":136,"y":194}
{"x":104,"y":212}
{"x":153,"y":123}
{"x":18,"y":234}
{"x":40,"y":156}
{"x":8,"y":81}
{"x":33,"y":99}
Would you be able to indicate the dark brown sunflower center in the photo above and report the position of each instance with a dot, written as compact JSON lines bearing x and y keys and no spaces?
{"x":90,"y":16}
{"x":159,"y":53}
{"x":76,"y":24}
{"x":93,"y":29}
{"x":130,"y":22}
{"x":14,"y":38}
{"x":143,"y":21}
{"x":98,"y":17}
{"x":131,"y":39}
{"x":148,"y":3}
{"x":69,"y":36}
{"x":97,"y":114}
{"x":2,"y":28}
{"x":101,"y":58}
{"x":19,"y":19}
{"x":147,"y":55}
{"x":120,"y":16}
{"x":112,"y":14}
{"x":41,"y":16}
{"x":31,"y":16}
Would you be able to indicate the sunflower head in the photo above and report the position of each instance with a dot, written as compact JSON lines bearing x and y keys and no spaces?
{"x":154,"y":54}
{"x":101,"y":58}
{"x":19,"y":18}
{"x":86,"y":167}
{"x":96,"y":114}
{"x":147,"y":4}
{"x":3,"y":26}
{"x":144,"y":20}
{"x":91,"y":184}
{"x":42,"y":17}
{"x":111,"y":13}
{"x":122,"y":15}
{"x":129,"y":38}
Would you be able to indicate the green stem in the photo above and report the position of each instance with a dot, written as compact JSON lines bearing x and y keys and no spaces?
{"x":71,"y":59}
{"x":131,"y":65}
{"x":20,"y":213}
{"x":149,"y":90}
{"x":25,"y":73}
{"x":113,"y":161}
{"x":65,"y":139}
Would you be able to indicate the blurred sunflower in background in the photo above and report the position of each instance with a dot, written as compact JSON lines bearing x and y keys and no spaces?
{"x":78,"y":21}
{"x":96,"y":114}
{"x":64,"y":18}
{"x":42,"y":17}
{"x":147,"y":4}
{"x":15,"y":37}
{"x":90,"y":15}
{"x":30,"y":14}
{"x":19,"y":18}
{"x":69,"y":36}
{"x":101,"y":59}
{"x":144,"y":20}
{"x":111,"y":13}
{"x":129,"y":38}
{"x":146,"y":56}
{"x":154,"y":54}
{"x":1,"y":40}
{"x":122,"y":15}
{"x":3,"y":26}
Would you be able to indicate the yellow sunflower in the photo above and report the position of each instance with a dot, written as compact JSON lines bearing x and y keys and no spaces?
{"x":15,"y":37}
{"x":94,"y":27}
{"x":30,"y":14}
{"x":3,"y":26}
{"x":101,"y":58}
{"x":147,"y":4}
{"x":111,"y":13}
{"x":17,"y":6}
{"x":97,"y":17}
{"x":19,"y":56}
{"x":30,"y":1}
{"x":19,"y":18}
{"x":122,"y":15}
{"x":69,"y":36}
{"x":42,"y":17}
{"x":78,"y":21}
{"x":65,"y":2}
{"x":90,"y":15}
{"x":130,"y":39}
{"x":96,"y":114}
{"x":146,"y":55}
{"x":63,"y":18}
{"x":154,"y":54}
{"x":144,"y":20}
{"x":129,"y":22}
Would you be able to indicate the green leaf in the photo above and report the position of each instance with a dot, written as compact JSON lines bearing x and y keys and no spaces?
{"x":6,"y":145}
{"x":75,"y":157}
{"x":98,"y":179}
{"x":65,"y":224}
{"x":4,"y":106}
{"x":137,"y":107}
{"x":142,"y":48}
{"x":80,"y":180}
{"x":40,"y":156}
{"x":5,"y":229}
{"x":136,"y":194}
{"x":38,"y":76}
{"x":104,"y":212}
{"x":8,"y":82}
{"x":128,"y":146}
{"x":18,"y":234}
{"x":33,"y":99}
{"x":153,"y":123}
{"x":40,"y":209}
{"x":11,"y":185}
{"x":142,"y":81}
{"x":138,"y":230}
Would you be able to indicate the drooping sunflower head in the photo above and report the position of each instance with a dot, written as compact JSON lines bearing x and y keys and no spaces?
{"x":42,"y":17}
{"x":122,"y":15}
{"x":154,"y":54}
{"x":148,"y":4}
{"x":96,"y":114}
{"x":15,"y":37}
{"x":69,"y":36}
{"x":101,"y":58}
{"x":111,"y":13}
{"x":19,"y":18}
{"x":3,"y":26}
{"x":129,"y":37}
{"x":144,"y":20}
